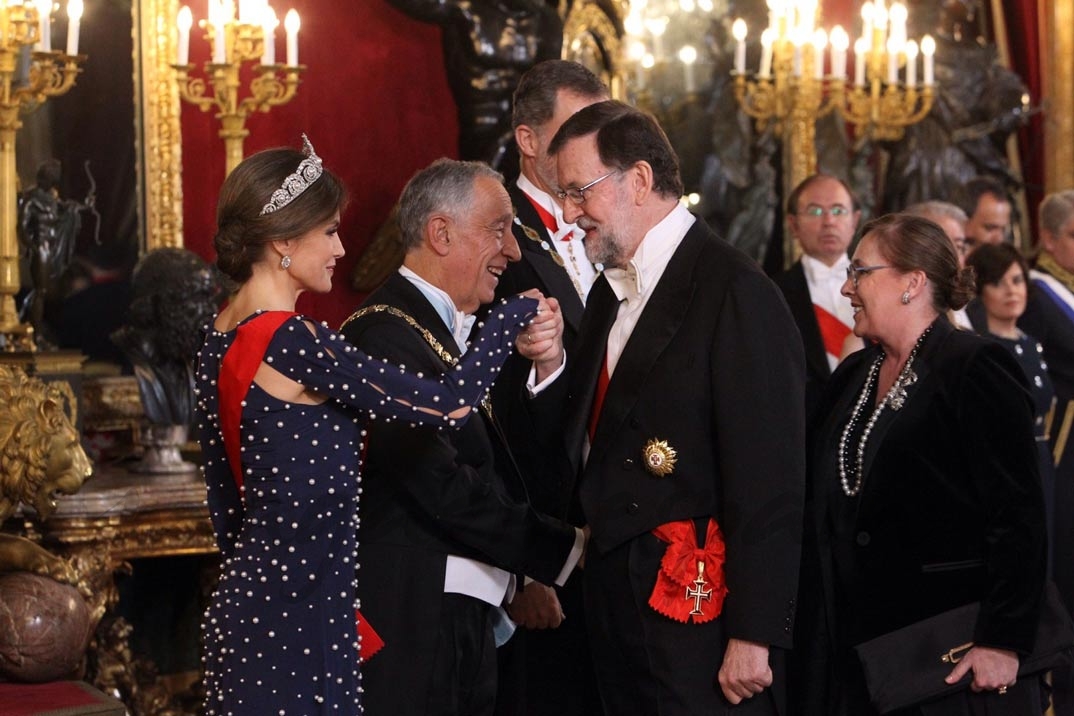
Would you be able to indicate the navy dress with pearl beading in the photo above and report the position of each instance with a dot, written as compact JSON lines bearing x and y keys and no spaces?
{"x":280,"y":633}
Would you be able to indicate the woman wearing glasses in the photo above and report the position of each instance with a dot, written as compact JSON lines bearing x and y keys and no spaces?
{"x":924,"y":483}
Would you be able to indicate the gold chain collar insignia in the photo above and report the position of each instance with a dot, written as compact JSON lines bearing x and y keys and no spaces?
{"x":436,"y":345}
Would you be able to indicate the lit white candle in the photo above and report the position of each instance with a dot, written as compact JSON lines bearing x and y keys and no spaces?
{"x":898,"y":15}
{"x":74,"y":19}
{"x":291,"y":23}
{"x":657,"y":26}
{"x":880,"y":24}
{"x":911,"y":64}
{"x":893,"y":60}
{"x":820,"y":41}
{"x":184,"y":22}
{"x":738,"y":30}
{"x":219,"y":35}
{"x":688,"y":55}
{"x":840,"y":42}
{"x":44,"y":18}
{"x":766,"y":53}
{"x":268,"y":24}
{"x":807,"y":16}
{"x":928,"y":48}
{"x":866,"y":24}
{"x":860,"y":50}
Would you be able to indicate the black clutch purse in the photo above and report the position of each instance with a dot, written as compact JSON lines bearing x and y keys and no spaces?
{"x":908,"y":666}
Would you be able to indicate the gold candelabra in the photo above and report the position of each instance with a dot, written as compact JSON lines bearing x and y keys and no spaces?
{"x":792,"y":90}
{"x":247,"y":38}
{"x":28,"y":78}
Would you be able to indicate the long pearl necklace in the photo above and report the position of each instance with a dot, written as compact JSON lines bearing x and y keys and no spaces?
{"x":895,"y":397}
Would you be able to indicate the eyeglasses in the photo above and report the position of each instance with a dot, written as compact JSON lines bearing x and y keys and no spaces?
{"x":578,"y":195}
{"x":854,"y":273}
{"x":815,"y":211}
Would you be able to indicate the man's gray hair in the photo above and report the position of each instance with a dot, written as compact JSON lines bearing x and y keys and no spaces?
{"x":933,"y":210}
{"x":1056,"y":210}
{"x":445,"y":186}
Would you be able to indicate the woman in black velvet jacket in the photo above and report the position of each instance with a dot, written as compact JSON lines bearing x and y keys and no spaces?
{"x":924,"y":486}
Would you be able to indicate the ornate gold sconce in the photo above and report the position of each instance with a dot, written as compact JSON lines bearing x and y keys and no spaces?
{"x":235,"y":41}
{"x":28,"y":78}
{"x":792,"y":90}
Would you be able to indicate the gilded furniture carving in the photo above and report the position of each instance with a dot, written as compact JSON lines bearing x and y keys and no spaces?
{"x":118,"y":517}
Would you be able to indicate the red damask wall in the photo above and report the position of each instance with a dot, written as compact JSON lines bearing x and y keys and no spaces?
{"x":375,"y":104}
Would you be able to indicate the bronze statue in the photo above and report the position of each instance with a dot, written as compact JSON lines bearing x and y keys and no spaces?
{"x":174,"y":293}
{"x":48,"y":229}
{"x":488,"y":46}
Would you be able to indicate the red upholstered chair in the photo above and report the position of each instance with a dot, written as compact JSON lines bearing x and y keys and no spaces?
{"x":57,"y":698}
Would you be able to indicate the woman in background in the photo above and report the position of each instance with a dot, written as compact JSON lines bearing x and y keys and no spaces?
{"x":1002,"y":291}
{"x":281,"y":406}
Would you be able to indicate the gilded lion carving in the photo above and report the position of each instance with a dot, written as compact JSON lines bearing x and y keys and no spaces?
{"x":40,"y":453}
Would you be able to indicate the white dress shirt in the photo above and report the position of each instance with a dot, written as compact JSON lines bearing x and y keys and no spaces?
{"x":566,"y":240}
{"x":824,"y":284}
{"x":634,"y":284}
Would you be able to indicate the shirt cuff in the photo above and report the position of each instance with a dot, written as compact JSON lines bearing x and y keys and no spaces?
{"x":531,"y":382}
{"x":573,"y":557}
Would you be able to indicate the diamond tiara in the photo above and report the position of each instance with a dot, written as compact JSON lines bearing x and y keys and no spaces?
{"x":309,"y":170}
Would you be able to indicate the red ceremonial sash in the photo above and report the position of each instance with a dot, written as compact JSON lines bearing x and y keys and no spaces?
{"x":682,"y":591}
{"x":832,"y":331}
{"x":547,"y":219}
{"x":237,"y":372}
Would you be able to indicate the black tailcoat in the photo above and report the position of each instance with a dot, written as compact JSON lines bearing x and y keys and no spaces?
{"x":548,"y":670}
{"x":795,"y":288}
{"x":428,"y":493}
{"x":714,"y":368}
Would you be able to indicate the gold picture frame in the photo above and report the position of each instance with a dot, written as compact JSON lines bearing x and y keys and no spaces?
{"x":158,"y":133}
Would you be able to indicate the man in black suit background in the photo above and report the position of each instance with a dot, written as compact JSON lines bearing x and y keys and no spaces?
{"x":445,"y":521}
{"x":822,"y":214}
{"x":685,"y":432}
{"x":546,"y":667}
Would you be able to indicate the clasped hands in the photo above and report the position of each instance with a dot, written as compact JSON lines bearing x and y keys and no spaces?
{"x":536,"y":606}
{"x":542,"y":340}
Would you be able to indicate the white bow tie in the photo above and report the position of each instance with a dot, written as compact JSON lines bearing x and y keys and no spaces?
{"x":835,"y":273}
{"x":625,"y":283}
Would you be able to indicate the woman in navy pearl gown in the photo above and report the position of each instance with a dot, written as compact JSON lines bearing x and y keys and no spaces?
{"x":281,"y":407}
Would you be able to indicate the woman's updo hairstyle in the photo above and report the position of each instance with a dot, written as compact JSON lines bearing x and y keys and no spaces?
{"x":911,"y":243}
{"x":242,"y":230}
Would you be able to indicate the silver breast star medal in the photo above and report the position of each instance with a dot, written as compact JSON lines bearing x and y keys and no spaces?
{"x":659,"y":457}
{"x":700,"y":591}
